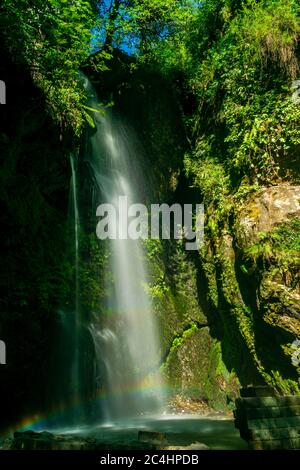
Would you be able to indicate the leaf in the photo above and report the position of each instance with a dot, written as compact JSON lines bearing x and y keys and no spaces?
{"x":89,"y":119}
{"x":94,"y":110}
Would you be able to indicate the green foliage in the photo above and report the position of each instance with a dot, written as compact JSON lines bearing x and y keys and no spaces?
{"x":288,"y":236}
{"x":279,"y":247}
{"x":178,"y":341}
{"x":264,"y":248}
{"x":272,"y":29}
{"x":239,"y":59}
{"x":210,"y":176}
{"x":153,"y":248}
{"x":53,"y":39}
{"x":141,"y":24}
{"x":158,"y":289}
{"x":221,"y":386}
{"x":244,"y":83}
{"x":94,"y":268}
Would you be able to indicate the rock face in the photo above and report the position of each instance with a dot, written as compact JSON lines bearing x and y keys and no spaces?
{"x":252,"y":271}
{"x":267,"y":247}
{"x":259,"y":222}
{"x":269,"y":208}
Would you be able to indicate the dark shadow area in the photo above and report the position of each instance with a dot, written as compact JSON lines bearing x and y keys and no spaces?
{"x":34,"y":177}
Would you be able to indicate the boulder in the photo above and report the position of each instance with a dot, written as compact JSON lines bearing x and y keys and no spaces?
{"x":266,"y":210}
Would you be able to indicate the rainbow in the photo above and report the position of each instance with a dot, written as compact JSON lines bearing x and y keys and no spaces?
{"x":41,"y":421}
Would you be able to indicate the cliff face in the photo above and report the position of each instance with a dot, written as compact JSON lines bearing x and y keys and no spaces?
{"x":252,"y":269}
{"x":244,"y":159}
{"x":267,"y":234}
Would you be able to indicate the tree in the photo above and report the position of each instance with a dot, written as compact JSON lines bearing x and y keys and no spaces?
{"x":52,"y":38}
{"x":135,"y":24}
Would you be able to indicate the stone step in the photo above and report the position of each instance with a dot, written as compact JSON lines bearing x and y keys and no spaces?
{"x":272,"y":412}
{"x":275,"y":444}
{"x":276,"y":401}
{"x":243,"y":415}
{"x":269,"y":434}
{"x":274,"y":423}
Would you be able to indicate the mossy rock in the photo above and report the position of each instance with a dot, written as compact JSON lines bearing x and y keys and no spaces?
{"x":195,"y":368}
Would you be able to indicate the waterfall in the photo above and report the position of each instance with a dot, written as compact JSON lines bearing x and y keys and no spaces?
{"x":125,"y":332}
{"x":76,"y":227}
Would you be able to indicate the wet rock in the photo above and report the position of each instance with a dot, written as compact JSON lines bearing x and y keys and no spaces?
{"x":280,"y":305}
{"x":30,"y":440}
{"x":6,"y":444}
{"x":152,"y":437}
{"x":193,"y":446}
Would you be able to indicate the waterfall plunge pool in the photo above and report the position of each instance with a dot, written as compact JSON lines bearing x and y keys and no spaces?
{"x":215,"y":431}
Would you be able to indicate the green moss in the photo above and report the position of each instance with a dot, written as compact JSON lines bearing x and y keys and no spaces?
{"x":178,"y":341}
{"x":195,"y":367}
{"x":222,"y":386}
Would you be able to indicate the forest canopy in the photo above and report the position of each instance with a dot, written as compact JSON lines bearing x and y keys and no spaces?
{"x":54,"y":38}
{"x":238,"y":59}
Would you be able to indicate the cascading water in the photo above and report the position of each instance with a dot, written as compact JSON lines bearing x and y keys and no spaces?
{"x":76,"y":227}
{"x":125,"y":334}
